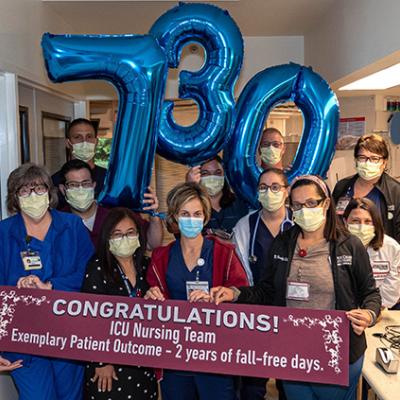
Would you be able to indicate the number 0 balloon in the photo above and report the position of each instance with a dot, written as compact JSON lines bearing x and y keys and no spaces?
{"x":290,"y":82}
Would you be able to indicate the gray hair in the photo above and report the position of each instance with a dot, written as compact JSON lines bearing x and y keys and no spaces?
{"x":26,"y":174}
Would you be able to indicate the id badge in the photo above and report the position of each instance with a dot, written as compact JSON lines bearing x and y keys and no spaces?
{"x":298,"y":291}
{"x":31,"y":260}
{"x":342,"y":204}
{"x":196,"y":285}
{"x":380,"y":269}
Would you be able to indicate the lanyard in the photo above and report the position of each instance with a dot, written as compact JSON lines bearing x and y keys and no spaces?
{"x":287,"y":220}
{"x":132,"y":292}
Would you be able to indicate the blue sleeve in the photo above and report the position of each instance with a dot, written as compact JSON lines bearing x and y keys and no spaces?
{"x":2,"y":258}
{"x":81,"y":241}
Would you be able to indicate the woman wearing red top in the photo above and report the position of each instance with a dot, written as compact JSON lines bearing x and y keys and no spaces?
{"x":185,"y":270}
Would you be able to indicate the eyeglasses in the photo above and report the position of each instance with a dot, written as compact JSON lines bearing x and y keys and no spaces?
{"x":131,"y":234}
{"x":373,"y":159}
{"x":76,"y":185}
{"x":275,"y":144}
{"x":310,"y":203}
{"x":26,"y":190}
{"x":274,"y":188}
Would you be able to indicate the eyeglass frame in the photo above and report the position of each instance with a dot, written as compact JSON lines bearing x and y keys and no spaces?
{"x":32,"y":188}
{"x":129,"y":235}
{"x":276,"y":144}
{"x":262,"y":188}
{"x":302,"y":205}
{"x":86,"y":184}
{"x":377,"y":158}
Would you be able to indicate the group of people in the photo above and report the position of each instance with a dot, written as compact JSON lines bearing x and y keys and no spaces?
{"x":305,"y":247}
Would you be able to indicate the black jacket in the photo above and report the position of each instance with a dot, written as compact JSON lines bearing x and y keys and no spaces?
{"x":390,"y":208}
{"x":352,"y":277}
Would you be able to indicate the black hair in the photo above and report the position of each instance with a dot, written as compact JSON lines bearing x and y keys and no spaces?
{"x":74,"y":165}
{"x":106,"y":258}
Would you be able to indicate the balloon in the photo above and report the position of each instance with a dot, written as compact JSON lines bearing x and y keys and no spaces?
{"x":211,"y":87}
{"x":270,"y":87}
{"x":137,"y":67}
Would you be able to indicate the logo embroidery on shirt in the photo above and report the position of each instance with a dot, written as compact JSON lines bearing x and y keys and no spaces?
{"x":344,"y":260}
{"x":390,"y":207}
{"x":278,"y":257}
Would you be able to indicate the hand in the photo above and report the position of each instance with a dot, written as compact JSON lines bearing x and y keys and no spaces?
{"x":360,"y":319}
{"x":194,"y":174}
{"x":199,"y":295}
{"x":154,"y":293}
{"x":221,"y":294}
{"x":151,"y":199}
{"x":104,"y":377}
{"x":6,"y":365}
{"x":33,"y":282}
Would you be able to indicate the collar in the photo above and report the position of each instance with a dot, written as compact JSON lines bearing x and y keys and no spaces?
{"x":58,"y":223}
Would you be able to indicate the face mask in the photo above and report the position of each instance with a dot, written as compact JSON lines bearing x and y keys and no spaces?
{"x":80,"y":199}
{"x":83,"y":151}
{"x":368,"y":170}
{"x":309,"y":219}
{"x":213,"y":184}
{"x":124,"y":247}
{"x":190,"y":227}
{"x":271,"y":201}
{"x":34,"y":205}
{"x":364,"y":232}
{"x":271,"y":155}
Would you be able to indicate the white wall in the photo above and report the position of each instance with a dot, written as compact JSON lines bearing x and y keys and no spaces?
{"x":22,"y":24}
{"x":38,"y":101}
{"x":352,"y":35}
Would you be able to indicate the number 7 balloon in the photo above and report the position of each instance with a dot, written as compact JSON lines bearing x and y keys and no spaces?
{"x":137,"y":67}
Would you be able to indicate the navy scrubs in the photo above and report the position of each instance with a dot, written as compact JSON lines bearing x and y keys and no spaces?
{"x":185,"y":385}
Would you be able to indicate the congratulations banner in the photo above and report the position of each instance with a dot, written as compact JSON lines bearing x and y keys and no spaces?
{"x":235,"y":339}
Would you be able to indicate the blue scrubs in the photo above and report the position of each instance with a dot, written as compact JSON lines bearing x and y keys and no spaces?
{"x":227,"y":217}
{"x":374,"y":195}
{"x":184,"y":385}
{"x":64,"y":254}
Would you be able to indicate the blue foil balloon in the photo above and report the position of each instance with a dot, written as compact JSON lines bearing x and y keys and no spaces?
{"x":275,"y":85}
{"x":137,"y":67}
{"x":211,"y":87}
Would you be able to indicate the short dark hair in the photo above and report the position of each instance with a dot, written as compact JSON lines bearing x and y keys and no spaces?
{"x":228,"y":197}
{"x":74,"y":165}
{"x":332,"y":226}
{"x":26,"y":174}
{"x":373,"y":143}
{"x":276,"y":171}
{"x":368,"y":205}
{"x":106,"y":258}
{"x":79,"y":121}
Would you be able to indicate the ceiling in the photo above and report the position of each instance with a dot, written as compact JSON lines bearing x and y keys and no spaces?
{"x":254,"y":17}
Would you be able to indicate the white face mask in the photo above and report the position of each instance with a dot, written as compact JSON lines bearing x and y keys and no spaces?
{"x":271,"y":155}
{"x":81,"y":198}
{"x":364,"y":232}
{"x":124,"y":247}
{"x":35,"y":205}
{"x":309,"y":219}
{"x":368,"y":170}
{"x":213,"y":184}
{"x":271,"y":201}
{"x":83,"y":151}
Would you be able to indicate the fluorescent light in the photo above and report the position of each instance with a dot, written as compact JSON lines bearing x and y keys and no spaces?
{"x":384,"y":79}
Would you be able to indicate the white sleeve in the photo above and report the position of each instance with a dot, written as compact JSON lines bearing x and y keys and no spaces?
{"x":390,"y":287}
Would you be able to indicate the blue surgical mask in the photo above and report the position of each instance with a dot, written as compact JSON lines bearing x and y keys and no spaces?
{"x":190,"y":227}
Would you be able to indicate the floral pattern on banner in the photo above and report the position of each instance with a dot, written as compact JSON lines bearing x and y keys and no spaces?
{"x":331,"y":336}
{"x":8,"y":302}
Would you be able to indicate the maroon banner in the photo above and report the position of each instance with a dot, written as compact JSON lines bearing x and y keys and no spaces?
{"x":234,"y":339}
